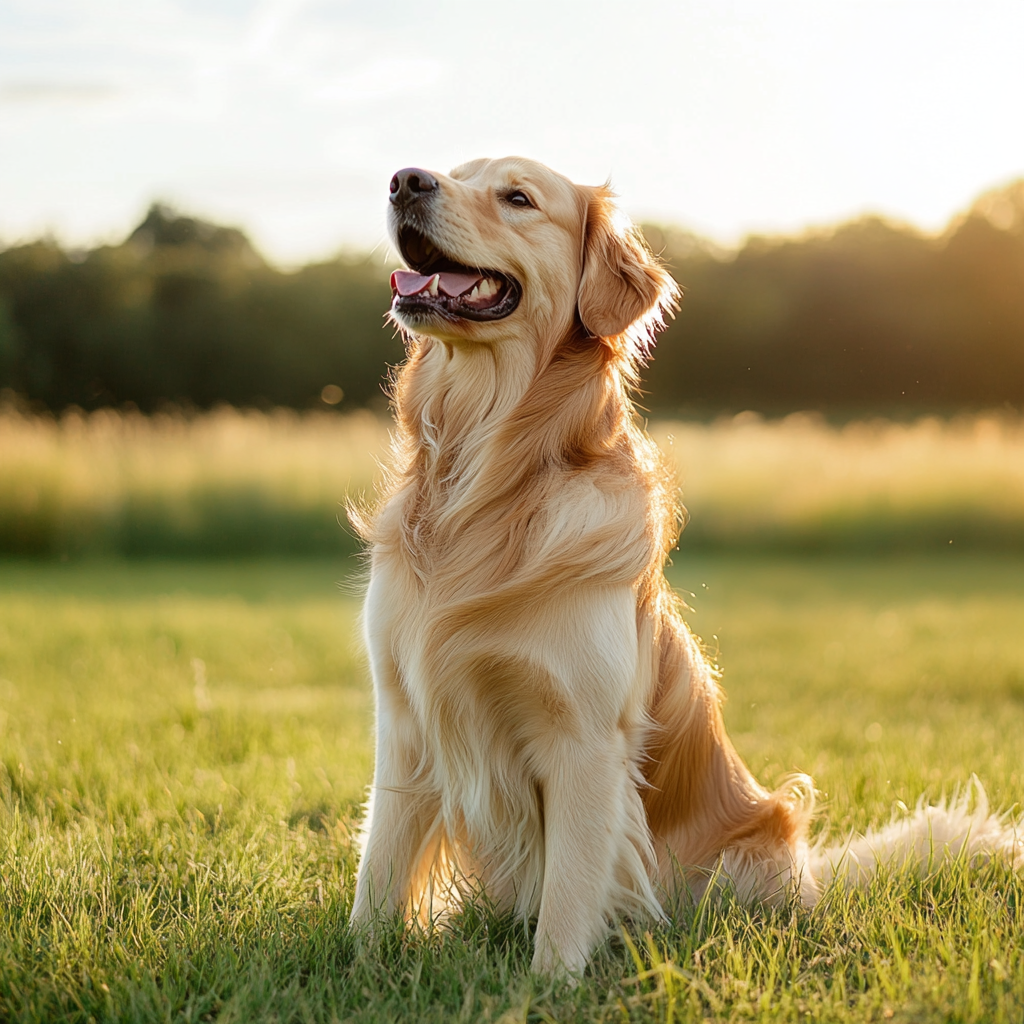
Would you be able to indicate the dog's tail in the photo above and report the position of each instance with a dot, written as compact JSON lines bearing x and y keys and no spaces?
{"x":960,"y":827}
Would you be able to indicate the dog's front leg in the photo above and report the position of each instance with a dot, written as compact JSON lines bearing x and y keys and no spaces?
{"x":399,"y":813}
{"x":586,"y":817}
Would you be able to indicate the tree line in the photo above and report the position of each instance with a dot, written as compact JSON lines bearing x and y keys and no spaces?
{"x":868,"y":316}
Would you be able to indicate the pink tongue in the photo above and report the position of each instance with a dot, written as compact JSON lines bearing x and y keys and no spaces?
{"x":407,"y":282}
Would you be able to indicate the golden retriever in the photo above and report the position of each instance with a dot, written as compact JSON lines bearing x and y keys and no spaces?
{"x":548,"y":730}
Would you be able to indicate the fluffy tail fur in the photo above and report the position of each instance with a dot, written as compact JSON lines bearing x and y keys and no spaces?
{"x":961,"y":827}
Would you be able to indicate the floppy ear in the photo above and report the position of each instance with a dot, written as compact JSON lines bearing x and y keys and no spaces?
{"x":624,"y":289}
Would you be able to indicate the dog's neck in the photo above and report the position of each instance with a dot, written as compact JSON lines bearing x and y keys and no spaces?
{"x":467,"y":413}
{"x":479,"y":433}
{"x":473,"y":387}
{"x":454,"y":398}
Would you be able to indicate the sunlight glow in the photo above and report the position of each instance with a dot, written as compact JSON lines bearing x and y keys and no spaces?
{"x":288,"y":117}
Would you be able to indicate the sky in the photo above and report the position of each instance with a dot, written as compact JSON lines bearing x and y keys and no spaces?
{"x":288,"y":117}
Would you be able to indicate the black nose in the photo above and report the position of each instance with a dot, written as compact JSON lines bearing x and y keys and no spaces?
{"x":411,"y":184}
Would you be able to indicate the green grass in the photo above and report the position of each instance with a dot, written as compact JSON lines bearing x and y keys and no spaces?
{"x":239,"y":483}
{"x":184,"y":748}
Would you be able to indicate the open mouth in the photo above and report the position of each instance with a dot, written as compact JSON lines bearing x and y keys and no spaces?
{"x":439,"y":285}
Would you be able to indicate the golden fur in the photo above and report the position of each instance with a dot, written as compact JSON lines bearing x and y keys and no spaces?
{"x":547,"y":727}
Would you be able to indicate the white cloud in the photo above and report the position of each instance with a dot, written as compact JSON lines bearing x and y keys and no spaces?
{"x":289,"y":116}
{"x":56,"y":92}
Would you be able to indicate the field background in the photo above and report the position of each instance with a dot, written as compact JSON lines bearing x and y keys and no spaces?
{"x":185,"y":741}
{"x":232,"y":483}
{"x":866,"y":316}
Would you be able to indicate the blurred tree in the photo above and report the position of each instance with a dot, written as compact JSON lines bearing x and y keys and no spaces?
{"x":189,"y":312}
{"x":10,"y":347}
{"x":871,"y":315}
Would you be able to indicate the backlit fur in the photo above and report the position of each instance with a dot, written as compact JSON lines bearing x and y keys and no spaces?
{"x":548,"y":730}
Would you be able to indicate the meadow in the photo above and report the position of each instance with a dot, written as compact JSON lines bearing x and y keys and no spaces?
{"x":185,"y":745}
{"x":233,"y":483}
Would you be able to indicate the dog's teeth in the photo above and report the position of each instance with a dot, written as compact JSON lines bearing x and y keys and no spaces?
{"x":475,"y":293}
{"x":432,"y":287}
{"x":488,"y":288}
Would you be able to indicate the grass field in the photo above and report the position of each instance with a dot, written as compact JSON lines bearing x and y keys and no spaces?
{"x":235,"y":482}
{"x":185,"y":745}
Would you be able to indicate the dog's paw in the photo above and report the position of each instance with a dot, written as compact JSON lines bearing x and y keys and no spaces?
{"x":547,"y":961}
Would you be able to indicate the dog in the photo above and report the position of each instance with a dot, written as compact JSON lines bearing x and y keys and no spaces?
{"x":548,"y":730}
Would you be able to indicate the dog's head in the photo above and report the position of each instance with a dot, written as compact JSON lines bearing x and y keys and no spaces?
{"x":509,"y":247}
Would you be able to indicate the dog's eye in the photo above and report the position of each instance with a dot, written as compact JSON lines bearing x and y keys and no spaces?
{"x":518,"y":198}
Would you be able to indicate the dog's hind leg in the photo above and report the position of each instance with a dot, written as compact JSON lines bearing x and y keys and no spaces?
{"x":704,"y":806}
